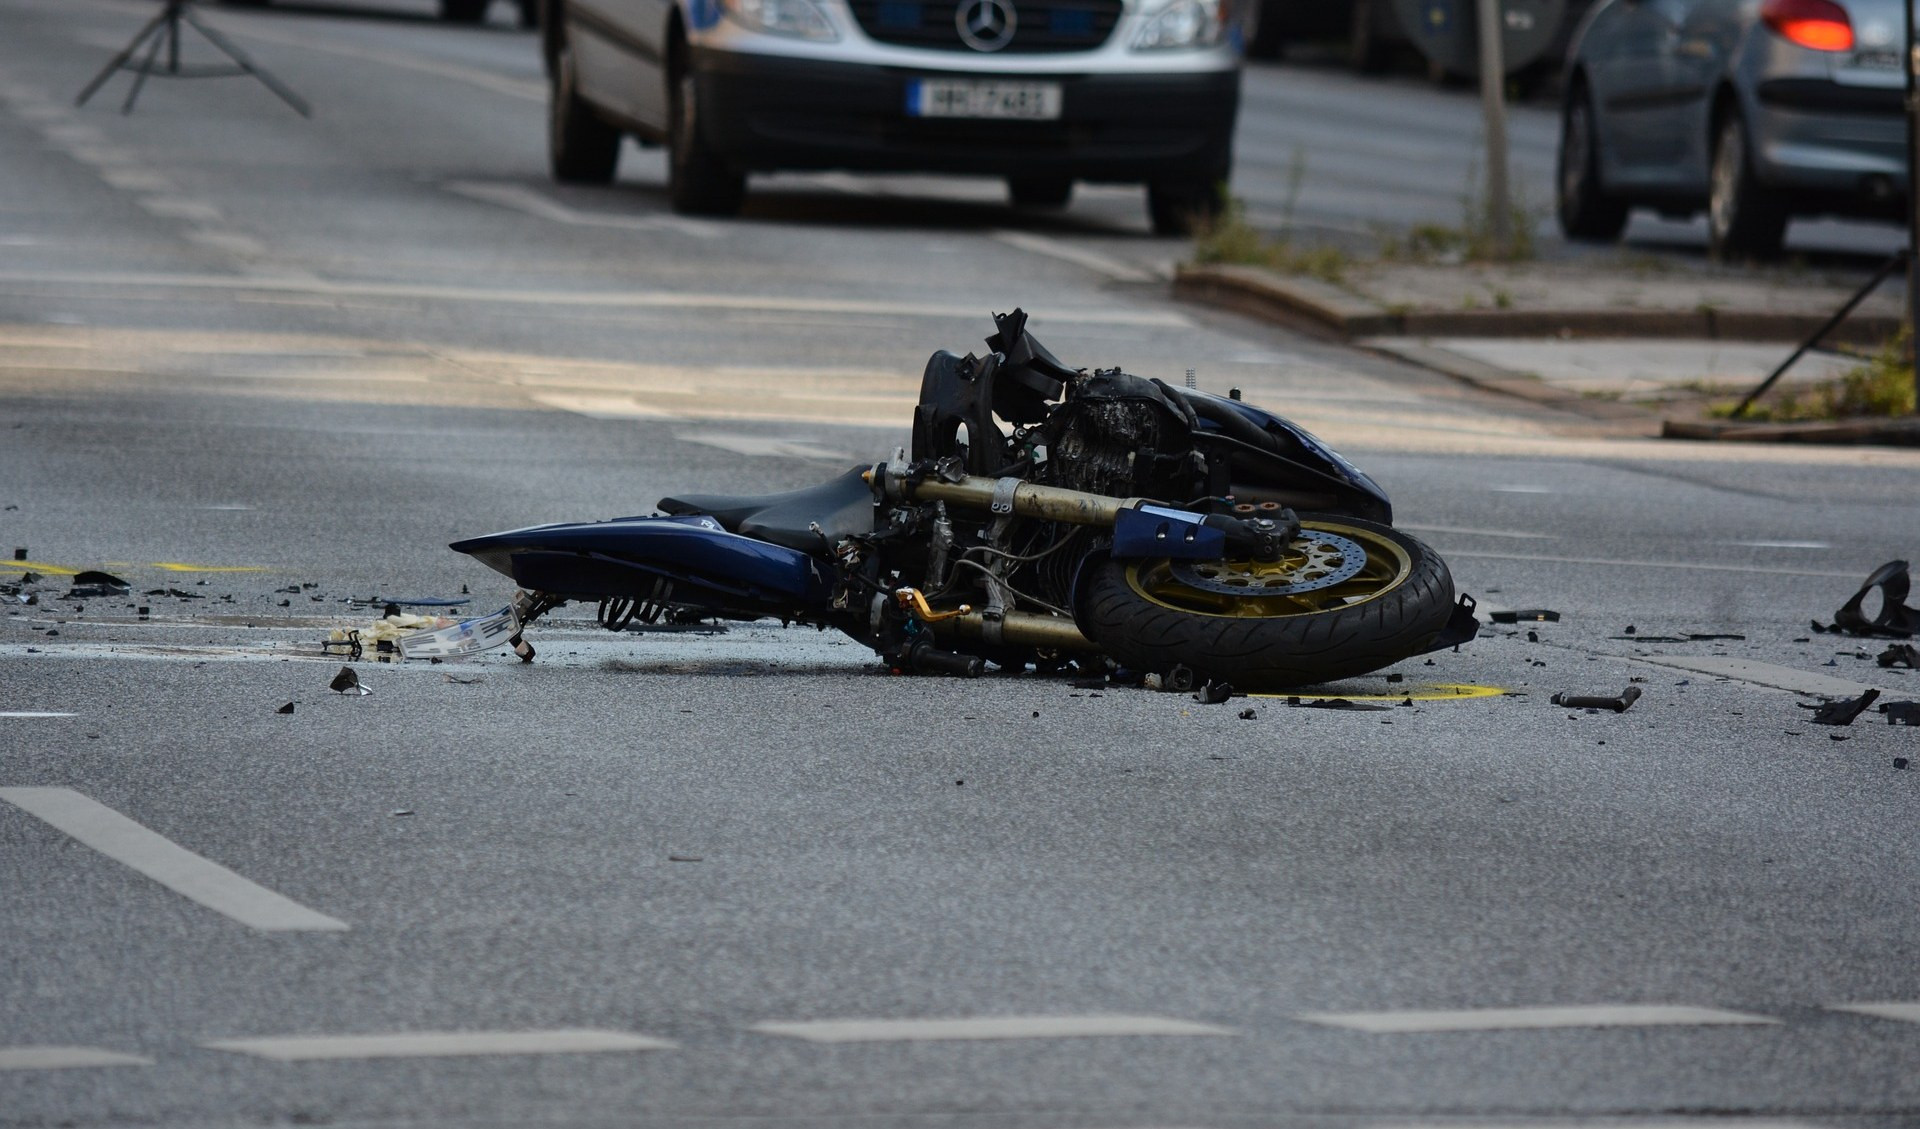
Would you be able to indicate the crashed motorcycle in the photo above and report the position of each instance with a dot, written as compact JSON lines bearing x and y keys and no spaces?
{"x":1046,"y":516}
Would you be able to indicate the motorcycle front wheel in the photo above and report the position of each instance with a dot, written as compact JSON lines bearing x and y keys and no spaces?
{"x":1347,"y":597}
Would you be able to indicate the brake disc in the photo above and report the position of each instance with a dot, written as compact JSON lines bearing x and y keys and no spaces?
{"x":1329,"y":559}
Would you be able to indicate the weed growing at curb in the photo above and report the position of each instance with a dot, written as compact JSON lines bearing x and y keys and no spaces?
{"x":1231,"y":239}
{"x":1881,"y":386}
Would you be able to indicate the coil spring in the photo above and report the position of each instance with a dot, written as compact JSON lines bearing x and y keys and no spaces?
{"x":616,"y":613}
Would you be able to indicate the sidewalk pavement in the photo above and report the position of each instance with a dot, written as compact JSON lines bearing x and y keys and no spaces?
{"x":1646,"y":346}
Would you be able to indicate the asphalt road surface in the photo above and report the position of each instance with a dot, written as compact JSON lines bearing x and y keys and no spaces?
{"x":261,"y":367}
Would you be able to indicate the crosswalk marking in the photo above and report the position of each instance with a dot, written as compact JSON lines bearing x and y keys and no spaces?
{"x":439,"y":1044}
{"x":1904,"y":1012}
{"x":64,"y":1058}
{"x":166,"y":862}
{"x":1532,"y":1018}
{"x":990,"y":1027}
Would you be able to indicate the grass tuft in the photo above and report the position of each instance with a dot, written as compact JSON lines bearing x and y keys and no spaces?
{"x":1881,"y":386}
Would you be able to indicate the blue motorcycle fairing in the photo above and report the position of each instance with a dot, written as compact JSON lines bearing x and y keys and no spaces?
{"x":625,"y":558}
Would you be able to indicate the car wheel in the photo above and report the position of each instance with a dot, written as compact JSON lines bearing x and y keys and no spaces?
{"x":1366,"y":47}
{"x":1745,"y":218}
{"x":1587,"y":210}
{"x":1180,"y":207}
{"x":581,"y":147}
{"x":463,"y":11}
{"x":699,"y":182}
{"x":1040,"y":191}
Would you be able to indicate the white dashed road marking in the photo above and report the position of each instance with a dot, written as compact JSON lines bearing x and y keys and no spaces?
{"x":35,"y":713}
{"x":173,"y":866}
{"x":1103,"y":265}
{"x":1532,"y":1018}
{"x":1905,"y":1013}
{"x":992,"y":1027}
{"x":1760,"y":674}
{"x":439,"y":1044}
{"x":520,"y":198}
{"x":764,"y":446}
{"x":64,"y":1058}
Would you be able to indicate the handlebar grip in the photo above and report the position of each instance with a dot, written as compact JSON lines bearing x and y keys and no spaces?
{"x":929,"y":659}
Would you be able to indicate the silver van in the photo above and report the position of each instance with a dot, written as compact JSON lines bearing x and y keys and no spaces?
{"x":1040,"y":93}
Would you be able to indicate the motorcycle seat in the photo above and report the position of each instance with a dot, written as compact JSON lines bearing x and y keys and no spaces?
{"x":841,"y":507}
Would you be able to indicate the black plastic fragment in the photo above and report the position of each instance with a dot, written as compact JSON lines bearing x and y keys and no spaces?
{"x":1248,"y":714}
{"x":1213,"y":693}
{"x":288,"y":708}
{"x":1841,"y":712}
{"x":1618,"y":705}
{"x":1894,"y":618}
{"x":1531,"y":615}
{"x":1333,"y":704}
{"x":93,"y":583}
{"x":1900,"y":654}
{"x":345,"y":681}
{"x":1901,"y":713}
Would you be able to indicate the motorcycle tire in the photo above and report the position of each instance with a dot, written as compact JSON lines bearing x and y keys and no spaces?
{"x":1349,"y":597}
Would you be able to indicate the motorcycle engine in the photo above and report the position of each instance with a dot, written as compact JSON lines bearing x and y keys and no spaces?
{"x":1120,"y":435}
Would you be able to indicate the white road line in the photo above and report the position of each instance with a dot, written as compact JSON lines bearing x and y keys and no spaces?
{"x":992,"y":1027}
{"x":1905,"y":1013}
{"x":438,"y":1044}
{"x":600,"y":406}
{"x":620,"y":299}
{"x":1760,"y":674}
{"x":1469,"y":532}
{"x":1067,"y":253}
{"x":1532,"y":1018}
{"x":136,"y":180}
{"x":520,"y":198}
{"x":180,"y":208}
{"x":1690,"y":565}
{"x":1779,"y":544}
{"x":35,"y":713}
{"x":1523,"y":489}
{"x":64,"y":1058}
{"x":765,"y":446}
{"x":171,"y":865}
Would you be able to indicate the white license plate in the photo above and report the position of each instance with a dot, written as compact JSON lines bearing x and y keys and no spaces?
{"x":468,"y":637}
{"x":970,"y":98}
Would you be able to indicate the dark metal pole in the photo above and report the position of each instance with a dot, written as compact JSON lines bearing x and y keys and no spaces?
{"x":1913,"y":196}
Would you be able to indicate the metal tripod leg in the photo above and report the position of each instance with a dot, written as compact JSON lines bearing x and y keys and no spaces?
{"x":126,"y":53}
{"x":170,"y":31}
{"x":245,"y":63}
{"x":1887,"y":268}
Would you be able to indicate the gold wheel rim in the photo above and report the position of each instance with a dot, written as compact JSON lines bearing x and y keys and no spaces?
{"x":1387,"y":566}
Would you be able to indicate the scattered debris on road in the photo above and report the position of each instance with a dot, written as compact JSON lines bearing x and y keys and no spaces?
{"x":1334,"y":704}
{"x":288,"y":708}
{"x":1213,"y":693}
{"x":1531,"y":615}
{"x":92,"y":583}
{"x":1901,"y":713}
{"x":348,"y":682}
{"x":1841,"y":711}
{"x":1249,"y":714}
{"x":1894,"y":618}
{"x":1618,"y":705}
{"x":1902,"y":654}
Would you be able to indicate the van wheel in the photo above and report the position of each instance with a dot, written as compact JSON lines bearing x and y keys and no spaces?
{"x":1039,"y":191}
{"x":1181,"y":207}
{"x":699,"y":182}
{"x":581,"y":147}
{"x":1745,"y":218}
{"x":463,"y":11}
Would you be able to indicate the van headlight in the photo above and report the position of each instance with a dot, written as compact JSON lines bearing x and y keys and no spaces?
{"x":1183,"y":23}
{"x":801,"y":19}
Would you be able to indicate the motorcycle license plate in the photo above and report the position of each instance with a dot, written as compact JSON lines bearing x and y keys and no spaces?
{"x":468,"y":637}
{"x":972,"y":98}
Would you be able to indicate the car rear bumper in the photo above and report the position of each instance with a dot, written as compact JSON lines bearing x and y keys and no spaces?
{"x":764,"y":113}
{"x":1844,"y":147}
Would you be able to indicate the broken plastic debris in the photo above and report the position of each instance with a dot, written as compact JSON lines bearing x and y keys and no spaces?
{"x":1532,"y":615}
{"x":1248,"y":714}
{"x":92,"y":583}
{"x":403,"y":811}
{"x":348,"y":682}
{"x":1894,"y":618}
{"x":1213,"y":693}
{"x":1618,"y":705}
{"x":407,"y":602}
{"x":288,"y":708}
{"x":1902,"y":654}
{"x":1841,"y":712}
{"x":1901,"y":713}
{"x":1333,"y":704}
{"x":683,"y":858}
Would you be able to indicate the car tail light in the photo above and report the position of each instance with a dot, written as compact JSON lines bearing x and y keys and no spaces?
{"x":1821,"y":25}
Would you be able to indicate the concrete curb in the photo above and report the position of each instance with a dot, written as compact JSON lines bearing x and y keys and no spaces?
{"x":1880,"y":432}
{"x":1314,"y":304}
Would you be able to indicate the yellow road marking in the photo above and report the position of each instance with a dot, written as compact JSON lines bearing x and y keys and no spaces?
{"x":176,"y":566}
{"x":1425,"y":692}
{"x":36,"y":566}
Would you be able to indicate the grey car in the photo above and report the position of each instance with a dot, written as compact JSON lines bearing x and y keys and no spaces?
{"x":1755,"y":111}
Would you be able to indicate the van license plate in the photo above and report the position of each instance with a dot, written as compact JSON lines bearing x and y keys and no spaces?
{"x":966,"y":98}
